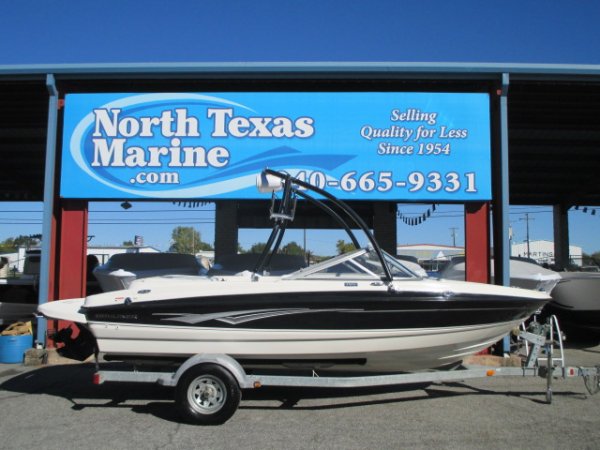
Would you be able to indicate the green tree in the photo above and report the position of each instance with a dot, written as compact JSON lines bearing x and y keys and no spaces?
{"x":127,"y":243}
{"x":187,"y":240}
{"x":593,"y":259}
{"x":292,"y":248}
{"x":344,"y":247}
{"x":12,"y":243}
{"x":204,"y":246}
{"x":257,"y":247}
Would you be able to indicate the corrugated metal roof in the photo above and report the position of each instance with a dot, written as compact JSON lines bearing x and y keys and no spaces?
{"x":330,"y":69}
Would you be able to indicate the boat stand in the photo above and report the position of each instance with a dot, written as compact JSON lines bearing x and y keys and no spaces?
{"x":208,"y":386}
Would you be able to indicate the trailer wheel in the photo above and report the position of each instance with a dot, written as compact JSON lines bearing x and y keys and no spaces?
{"x":207,"y":394}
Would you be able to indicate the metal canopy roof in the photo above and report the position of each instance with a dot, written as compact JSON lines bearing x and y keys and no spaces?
{"x":23,"y":123}
{"x":554,"y":111}
{"x":554,"y":143}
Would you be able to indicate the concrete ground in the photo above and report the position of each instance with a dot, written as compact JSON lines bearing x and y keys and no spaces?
{"x":57,"y":406}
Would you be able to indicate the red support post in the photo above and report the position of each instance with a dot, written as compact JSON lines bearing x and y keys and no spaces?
{"x":72,"y":251}
{"x":477,"y":241}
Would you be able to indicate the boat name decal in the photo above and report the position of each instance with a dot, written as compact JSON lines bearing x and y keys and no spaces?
{"x":113,"y":316}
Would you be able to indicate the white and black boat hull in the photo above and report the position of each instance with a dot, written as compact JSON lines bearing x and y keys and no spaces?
{"x":343,"y":326}
{"x":353,"y":350}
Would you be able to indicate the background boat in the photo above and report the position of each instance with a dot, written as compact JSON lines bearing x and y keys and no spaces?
{"x":121,"y":269}
{"x":576,"y":301}
{"x":525,"y":274}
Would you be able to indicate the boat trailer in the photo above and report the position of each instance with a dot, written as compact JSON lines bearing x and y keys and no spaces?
{"x":208,"y":386}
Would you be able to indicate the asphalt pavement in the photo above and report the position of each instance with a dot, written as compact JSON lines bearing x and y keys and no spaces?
{"x":58,"y":407}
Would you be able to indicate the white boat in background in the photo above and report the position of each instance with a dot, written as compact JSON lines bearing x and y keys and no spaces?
{"x":123,"y":268}
{"x":19,"y":295}
{"x":280,"y":264}
{"x":576,"y":301}
{"x":523,"y":274}
{"x":412,"y":263}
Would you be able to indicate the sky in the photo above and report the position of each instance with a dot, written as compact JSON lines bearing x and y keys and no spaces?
{"x":534,"y":31}
{"x":152,"y":31}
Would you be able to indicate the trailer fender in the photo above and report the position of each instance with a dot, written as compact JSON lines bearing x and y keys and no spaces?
{"x":225,"y":361}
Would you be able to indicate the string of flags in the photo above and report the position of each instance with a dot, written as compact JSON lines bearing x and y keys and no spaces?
{"x":191,"y":204}
{"x":585,"y":209}
{"x":416,"y":220}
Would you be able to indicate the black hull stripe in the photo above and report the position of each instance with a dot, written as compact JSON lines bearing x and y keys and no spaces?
{"x":321,"y":310}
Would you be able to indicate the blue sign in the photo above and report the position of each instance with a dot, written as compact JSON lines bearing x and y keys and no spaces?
{"x":357,"y":145}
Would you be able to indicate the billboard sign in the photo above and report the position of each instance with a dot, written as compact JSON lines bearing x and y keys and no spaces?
{"x":358,"y":145}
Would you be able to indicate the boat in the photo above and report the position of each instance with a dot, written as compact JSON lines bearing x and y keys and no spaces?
{"x":14,"y":311}
{"x":576,"y":301}
{"x":412,"y":264}
{"x":524,"y":273}
{"x":19,"y":295}
{"x":361,"y":311}
{"x":235,"y":263}
{"x":122,"y":268}
{"x":18,"y":299}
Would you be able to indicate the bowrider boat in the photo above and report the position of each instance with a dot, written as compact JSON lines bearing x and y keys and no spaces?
{"x":576,"y":301}
{"x":122,"y":268}
{"x":524,"y":274}
{"x":360,"y":311}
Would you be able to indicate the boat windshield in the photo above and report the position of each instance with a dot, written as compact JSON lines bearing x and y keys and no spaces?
{"x":360,"y":264}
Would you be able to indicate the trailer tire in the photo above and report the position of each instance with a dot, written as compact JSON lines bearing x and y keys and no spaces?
{"x":207,"y":394}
